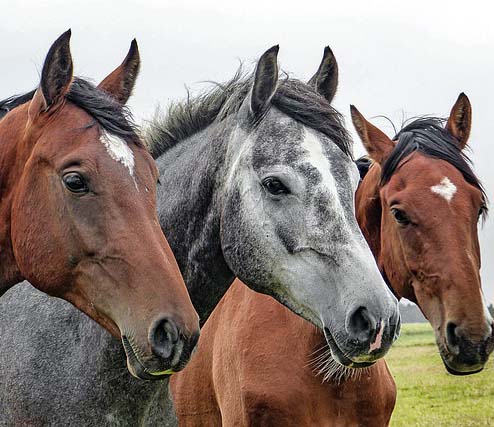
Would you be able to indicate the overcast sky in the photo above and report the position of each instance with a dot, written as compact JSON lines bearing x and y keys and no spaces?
{"x":395,"y":57}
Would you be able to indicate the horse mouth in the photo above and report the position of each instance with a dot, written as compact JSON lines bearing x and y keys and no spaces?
{"x":459,"y":371}
{"x":459,"y":365}
{"x":452,"y":371}
{"x":339,"y":355}
{"x":137,"y":368}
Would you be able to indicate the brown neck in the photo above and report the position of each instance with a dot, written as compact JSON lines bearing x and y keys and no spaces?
{"x":14,"y":154}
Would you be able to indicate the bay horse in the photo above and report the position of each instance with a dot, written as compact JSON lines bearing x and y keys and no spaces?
{"x":257,"y":181}
{"x":427,"y":203}
{"x":77,"y":212}
{"x":250,"y":376}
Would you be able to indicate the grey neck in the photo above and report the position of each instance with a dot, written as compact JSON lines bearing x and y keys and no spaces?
{"x":189,"y":207}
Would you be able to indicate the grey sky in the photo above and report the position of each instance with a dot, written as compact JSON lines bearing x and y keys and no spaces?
{"x":395,"y":57}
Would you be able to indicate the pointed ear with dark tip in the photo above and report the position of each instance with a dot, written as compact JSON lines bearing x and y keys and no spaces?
{"x":375,"y":141}
{"x":460,"y":120}
{"x":121,"y":81}
{"x":325,"y":81}
{"x":265,"y":80}
{"x":56,"y":76}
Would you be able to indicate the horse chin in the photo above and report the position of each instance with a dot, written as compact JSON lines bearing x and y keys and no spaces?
{"x":340,"y":357}
{"x":453,"y":363}
{"x":450,"y":370}
{"x":137,"y":368}
{"x":460,"y":370}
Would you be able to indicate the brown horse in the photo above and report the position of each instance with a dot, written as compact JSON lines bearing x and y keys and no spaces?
{"x":418,"y":207}
{"x":249,"y":371}
{"x":256,"y":366}
{"x":78,"y":212}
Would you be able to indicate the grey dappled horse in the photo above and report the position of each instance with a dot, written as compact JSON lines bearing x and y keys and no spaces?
{"x":257,"y":181}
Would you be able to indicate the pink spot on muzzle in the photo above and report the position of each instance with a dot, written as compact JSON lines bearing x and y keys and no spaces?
{"x":376,"y":345}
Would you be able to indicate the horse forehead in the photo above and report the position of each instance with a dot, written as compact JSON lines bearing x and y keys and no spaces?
{"x":278,"y":142}
{"x":316,"y":155}
{"x":284,"y":141}
{"x":334,"y":170}
{"x":439,"y":176}
{"x":445,"y":189}
{"x":279,"y":130}
{"x":119,"y":151}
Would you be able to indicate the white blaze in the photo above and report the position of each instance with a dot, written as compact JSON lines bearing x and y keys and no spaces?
{"x":119,"y":151}
{"x":446,"y":189}
{"x":318,"y":158}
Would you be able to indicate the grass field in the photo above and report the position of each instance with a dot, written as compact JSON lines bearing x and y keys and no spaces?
{"x":427,"y":395}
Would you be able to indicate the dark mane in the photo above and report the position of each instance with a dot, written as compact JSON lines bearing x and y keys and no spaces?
{"x":363,"y":165}
{"x":14,"y":101}
{"x":294,"y":98}
{"x":428,"y":136}
{"x":111,"y":115}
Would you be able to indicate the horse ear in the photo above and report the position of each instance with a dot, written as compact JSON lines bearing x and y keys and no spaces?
{"x":460,"y":120}
{"x":325,"y":81}
{"x":56,"y":76}
{"x":265,"y":80}
{"x":121,"y":81}
{"x":375,"y":141}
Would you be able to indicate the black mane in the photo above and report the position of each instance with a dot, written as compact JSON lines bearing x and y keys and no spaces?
{"x":363,"y":165}
{"x":428,"y":136}
{"x":111,"y":115}
{"x":296,"y":99}
{"x":14,"y":101}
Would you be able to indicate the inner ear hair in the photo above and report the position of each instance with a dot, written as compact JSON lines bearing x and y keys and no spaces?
{"x":265,"y":81}
{"x":120,"y":83}
{"x":57,"y":72}
{"x":460,"y":120}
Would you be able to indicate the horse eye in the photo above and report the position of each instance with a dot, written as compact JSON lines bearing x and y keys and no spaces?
{"x":274,"y":186}
{"x":482,"y":210}
{"x":400,"y":216}
{"x":75,"y":183}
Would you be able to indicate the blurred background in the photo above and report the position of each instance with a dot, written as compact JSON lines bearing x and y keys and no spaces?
{"x":398,"y":59}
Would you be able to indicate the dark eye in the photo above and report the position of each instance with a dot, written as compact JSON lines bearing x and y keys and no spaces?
{"x":400,"y":216}
{"x":274,"y":186}
{"x":75,"y":182}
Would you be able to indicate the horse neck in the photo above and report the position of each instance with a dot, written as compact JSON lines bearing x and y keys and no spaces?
{"x":369,"y":215}
{"x":15,"y":150}
{"x":189,"y":210}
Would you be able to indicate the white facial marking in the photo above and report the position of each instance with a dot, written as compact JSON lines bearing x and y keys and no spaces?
{"x":376,"y":345}
{"x":119,"y":151}
{"x":446,"y":189}
{"x":317,"y":158}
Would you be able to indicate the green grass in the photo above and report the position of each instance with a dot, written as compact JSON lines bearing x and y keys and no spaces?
{"x":427,"y":394}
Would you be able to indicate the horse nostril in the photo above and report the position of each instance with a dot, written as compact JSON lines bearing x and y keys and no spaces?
{"x":163,"y":337}
{"x":361,"y":325}
{"x":452,"y":337}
